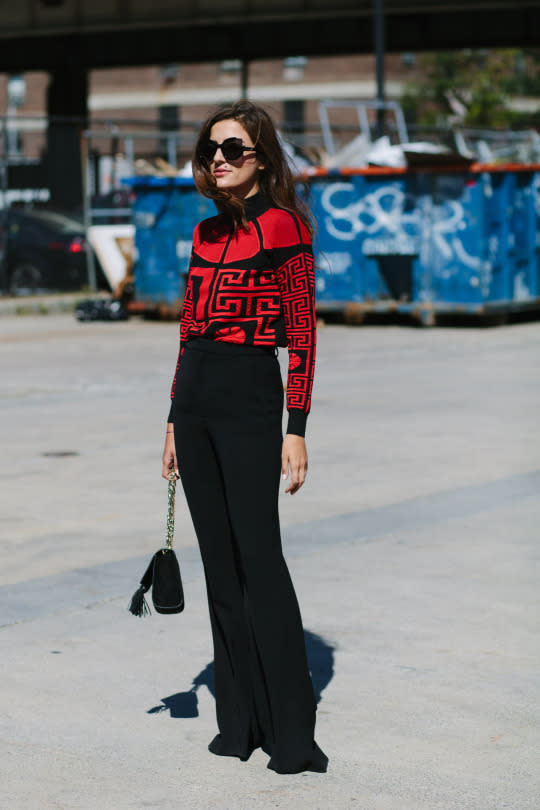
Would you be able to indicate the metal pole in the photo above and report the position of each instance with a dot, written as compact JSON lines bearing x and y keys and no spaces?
{"x":378,"y":35}
{"x":130,"y":151}
{"x":4,"y":211}
{"x":244,"y":79}
{"x":171,"y":149}
{"x":4,"y":163}
{"x":90,"y":263}
{"x":12,"y":139}
{"x":114,"y":153}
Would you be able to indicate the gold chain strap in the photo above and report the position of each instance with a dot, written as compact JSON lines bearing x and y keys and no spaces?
{"x":170,"y":508}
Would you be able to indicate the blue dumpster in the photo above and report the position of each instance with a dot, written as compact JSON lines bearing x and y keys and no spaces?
{"x":427,"y":241}
{"x":165,"y":213}
{"x":415,"y":241}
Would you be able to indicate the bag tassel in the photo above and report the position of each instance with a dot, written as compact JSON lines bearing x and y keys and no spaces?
{"x":139,"y":605}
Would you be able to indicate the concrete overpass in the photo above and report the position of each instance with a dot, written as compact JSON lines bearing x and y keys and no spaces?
{"x":59,"y":34}
{"x":70,"y":37}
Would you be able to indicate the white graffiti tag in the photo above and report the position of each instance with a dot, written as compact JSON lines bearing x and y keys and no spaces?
{"x":381,"y":209}
{"x":448,"y":221}
{"x":397,"y":223}
{"x":535,"y":190}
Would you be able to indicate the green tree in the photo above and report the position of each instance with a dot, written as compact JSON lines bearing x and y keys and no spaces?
{"x":471,"y":86}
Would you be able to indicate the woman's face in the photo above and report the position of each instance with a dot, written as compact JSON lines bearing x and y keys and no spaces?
{"x":240,"y":176}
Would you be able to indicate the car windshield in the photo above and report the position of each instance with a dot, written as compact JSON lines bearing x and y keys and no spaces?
{"x":57,"y":221}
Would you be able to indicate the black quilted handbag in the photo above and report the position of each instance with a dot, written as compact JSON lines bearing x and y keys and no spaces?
{"x":163,"y":573}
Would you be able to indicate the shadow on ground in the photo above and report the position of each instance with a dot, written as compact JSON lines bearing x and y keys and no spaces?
{"x":321,"y":664}
{"x":457,"y":320}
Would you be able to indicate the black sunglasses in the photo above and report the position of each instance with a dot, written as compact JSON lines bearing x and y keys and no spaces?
{"x":231,"y":149}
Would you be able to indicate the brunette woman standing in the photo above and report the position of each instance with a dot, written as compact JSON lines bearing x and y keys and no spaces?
{"x":250,"y":289}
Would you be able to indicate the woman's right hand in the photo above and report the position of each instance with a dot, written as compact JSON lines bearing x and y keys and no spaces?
{"x":169,"y":454}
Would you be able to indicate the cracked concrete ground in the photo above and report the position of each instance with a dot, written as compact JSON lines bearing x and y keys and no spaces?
{"x":413,"y":547}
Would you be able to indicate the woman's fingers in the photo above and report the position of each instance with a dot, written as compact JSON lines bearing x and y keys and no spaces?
{"x":166,"y":466}
{"x":298,"y":476}
{"x":294,"y":458}
{"x":169,"y":458}
{"x":168,"y":463}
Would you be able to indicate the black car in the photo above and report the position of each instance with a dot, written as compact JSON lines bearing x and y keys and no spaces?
{"x":44,"y":251}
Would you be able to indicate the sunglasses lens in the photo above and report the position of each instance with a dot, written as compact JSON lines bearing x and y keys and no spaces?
{"x":232,"y":150}
{"x":208,"y":150}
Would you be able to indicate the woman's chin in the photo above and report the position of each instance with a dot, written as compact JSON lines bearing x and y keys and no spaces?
{"x":238,"y":189}
{"x":225,"y":185}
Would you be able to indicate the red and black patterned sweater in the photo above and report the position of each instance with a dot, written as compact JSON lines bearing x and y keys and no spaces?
{"x":256,"y":287}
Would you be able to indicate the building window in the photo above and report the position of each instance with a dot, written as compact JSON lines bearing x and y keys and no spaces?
{"x":408,"y":59}
{"x":293,"y":68}
{"x":230,"y":66}
{"x":294,"y":115}
{"x":169,"y":73}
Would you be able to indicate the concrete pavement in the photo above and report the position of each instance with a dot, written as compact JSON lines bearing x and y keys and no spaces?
{"x":52,"y":303}
{"x":413,"y":547}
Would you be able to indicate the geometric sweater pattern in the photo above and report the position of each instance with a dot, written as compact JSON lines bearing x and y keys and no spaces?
{"x":256,"y":286}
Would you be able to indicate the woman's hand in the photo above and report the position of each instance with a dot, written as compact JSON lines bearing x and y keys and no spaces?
{"x":169,"y":454}
{"x":294,"y":458}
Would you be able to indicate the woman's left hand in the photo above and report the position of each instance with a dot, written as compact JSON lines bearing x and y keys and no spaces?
{"x":294,"y":458}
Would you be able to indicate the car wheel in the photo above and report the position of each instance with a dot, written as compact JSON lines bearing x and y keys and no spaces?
{"x":25,"y":279}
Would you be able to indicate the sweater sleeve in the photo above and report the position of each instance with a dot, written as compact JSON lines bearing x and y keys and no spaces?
{"x":296,"y":280}
{"x":185,"y":320}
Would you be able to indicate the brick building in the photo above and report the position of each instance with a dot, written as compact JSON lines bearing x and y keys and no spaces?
{"x":177,"y":97}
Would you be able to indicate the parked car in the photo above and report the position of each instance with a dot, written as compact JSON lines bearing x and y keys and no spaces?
{"x":45,"y":251}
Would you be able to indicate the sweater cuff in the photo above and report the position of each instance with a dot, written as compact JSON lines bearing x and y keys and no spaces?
{"x":297,"y":422}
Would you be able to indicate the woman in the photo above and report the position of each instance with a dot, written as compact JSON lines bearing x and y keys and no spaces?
{"x":250,"y":289}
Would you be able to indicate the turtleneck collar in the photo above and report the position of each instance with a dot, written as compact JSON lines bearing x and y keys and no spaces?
{"x":256,"y":205}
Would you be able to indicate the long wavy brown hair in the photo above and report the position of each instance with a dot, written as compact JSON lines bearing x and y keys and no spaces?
{"x":275,"y":180}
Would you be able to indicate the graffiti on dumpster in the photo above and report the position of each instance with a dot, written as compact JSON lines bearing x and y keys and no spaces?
{"x":332,"y":263}
{"x":381,"y":209}
{"x":535,"y":191}
{"x":389,"y":228}
{"x":335,"y":262}
{"x":183,"y":254}
{"x":183,"y":249}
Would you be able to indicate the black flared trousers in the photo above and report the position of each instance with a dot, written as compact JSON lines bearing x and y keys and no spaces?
{"x":227,"y":423}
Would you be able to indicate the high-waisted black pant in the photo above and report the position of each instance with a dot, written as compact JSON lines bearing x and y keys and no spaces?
{"x":227,"y":425}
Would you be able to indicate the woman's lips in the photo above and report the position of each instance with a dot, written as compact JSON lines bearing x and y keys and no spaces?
{"x":221,"y":172}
